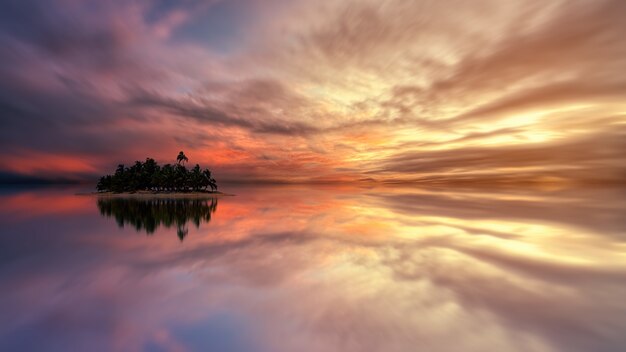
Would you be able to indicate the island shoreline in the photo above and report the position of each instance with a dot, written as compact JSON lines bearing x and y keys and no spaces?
{"x":157,"y":194}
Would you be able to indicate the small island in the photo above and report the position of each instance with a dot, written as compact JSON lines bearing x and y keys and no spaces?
{"x":149,"y":178}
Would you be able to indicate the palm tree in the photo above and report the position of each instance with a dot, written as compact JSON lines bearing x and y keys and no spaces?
{"x":208,"y":180}
{"x":150,"y":176}
{"x":181,"y":158}
{"x":196,"y":177}
{"x":169,"y":175}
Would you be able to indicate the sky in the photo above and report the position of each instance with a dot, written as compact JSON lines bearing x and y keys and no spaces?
{"x":317,"y":91}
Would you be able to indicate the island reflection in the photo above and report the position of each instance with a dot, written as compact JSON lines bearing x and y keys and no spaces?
{"x":149,"y":214}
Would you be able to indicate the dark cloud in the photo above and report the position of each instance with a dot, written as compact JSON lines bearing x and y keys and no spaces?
{"x":50,"y":88}
{"x":213,"y":114}
{"x":64,"y":68}
{"x":80,"y":34}
{"x":251,"y":106}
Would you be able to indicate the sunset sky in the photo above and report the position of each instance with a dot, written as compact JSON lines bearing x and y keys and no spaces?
{"x":332,"y":90}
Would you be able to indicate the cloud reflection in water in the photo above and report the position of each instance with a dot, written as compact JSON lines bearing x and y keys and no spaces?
{"x":326,"y":269}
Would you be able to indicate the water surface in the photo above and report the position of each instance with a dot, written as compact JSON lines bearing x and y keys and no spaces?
{"x":295,"y":268}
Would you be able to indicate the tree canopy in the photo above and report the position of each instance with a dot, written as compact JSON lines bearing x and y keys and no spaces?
{"x":150,"y":176}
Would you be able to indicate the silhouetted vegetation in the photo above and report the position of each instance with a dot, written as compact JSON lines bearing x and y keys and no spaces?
{"x":149,"y":214}
{"x":150,"y":176}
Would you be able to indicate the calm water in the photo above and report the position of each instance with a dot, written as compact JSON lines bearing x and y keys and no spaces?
{"x":315,"y":269}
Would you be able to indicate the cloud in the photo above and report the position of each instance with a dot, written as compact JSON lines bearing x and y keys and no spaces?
{"x":333,"y":86}
{"x":590,"y":158}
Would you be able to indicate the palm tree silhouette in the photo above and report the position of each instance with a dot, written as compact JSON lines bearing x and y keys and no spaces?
{"x":181,"y":158}
{"x":150,"y":176}
{"x":208,"y":180}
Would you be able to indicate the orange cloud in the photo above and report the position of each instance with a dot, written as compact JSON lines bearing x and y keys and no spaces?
{"x":41,"y":163}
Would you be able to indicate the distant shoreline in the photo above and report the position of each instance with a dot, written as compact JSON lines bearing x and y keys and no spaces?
{"x":156,"y":194}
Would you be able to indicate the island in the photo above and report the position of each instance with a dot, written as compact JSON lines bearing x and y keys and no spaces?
{"x":149,"y":178}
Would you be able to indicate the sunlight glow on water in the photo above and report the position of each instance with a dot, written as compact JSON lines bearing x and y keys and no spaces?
{"x":295,"y":268}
